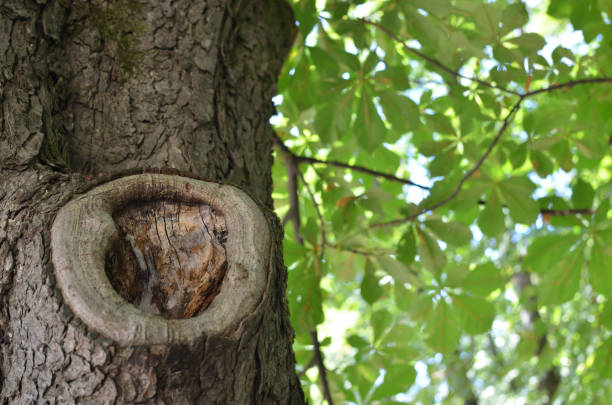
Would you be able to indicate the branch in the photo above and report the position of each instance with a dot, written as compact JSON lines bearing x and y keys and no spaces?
{"x":434,"y":62}
{"x":367,"y":253}
{"x":469,"y":174}
{"x":292,"y":173}
{"x":571,"y":83}
{"x":558,"y":213}
{"x":551,"y":380}
{"x":303,"y":159}
{"x":293,"y":214}
{"x":565,"y":213}
{"x":496,"y":355}
{"x":448,"y":70}
{"x":319,"y":215}
{"x":318,"y":356}
{"x":506,"y":122}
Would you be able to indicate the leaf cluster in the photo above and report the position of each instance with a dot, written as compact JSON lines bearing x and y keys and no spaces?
{"x":453,"y":199}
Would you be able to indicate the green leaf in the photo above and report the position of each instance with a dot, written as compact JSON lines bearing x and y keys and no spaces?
{"x":547,"y":250}
{"x":293,"y":252}
{"x":600,"y":263}
{"x":514,"y":16}
{"x":518,"y":155}
{"x":559,"y":8}
{"x":560,"y":52}
{"x":368,"y":126}
{"x":560,"y":282}
{"x":516,"y":193}
{"x":401,"y":111}
{"x":398,"y":379}
{"x":443,"y":163}
{"x":452,"y":232}
{"x":474,"y":315}
{"x":442,"y":329}
{"x":602,"y":364}
{"x":486,"y":16}
{"x":441,"y":190}
{"x":417,"y":305}
{"x":324,"y":61}
{"x":541,"y":163}
{"x":357,"y":96}
{"x":381,"y":321}
{"x":305,"y":296}
{"x":430,"y":254}
{"x":432,"y":148}
{"x":605,"y":316}
{"x":483,"y":280}
{"x":440,"y":8}
{"x":406,"y":249}
{"x":491,"y":218}
{"x":302,"y":85}
{"x":429,"y":32}
{"x":371,"y":291}
{"x":589,"y":147}
{"x":397,"y":270}
{"x":357,"y":341}
{"x":370,"y":62}
{"x":530,"y":41}
{"x":582,"y":195}
{"x":332,"y":119}
{"x":396,"y":77}
{"x":602,"y":211}
{"x":306,"y":14}
{"x":562,"y":154}
{"x":454,"y":273}
{"x":440,"y":123}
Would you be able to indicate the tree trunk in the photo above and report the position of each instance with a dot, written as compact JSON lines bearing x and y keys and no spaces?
{"x":90,"y":90}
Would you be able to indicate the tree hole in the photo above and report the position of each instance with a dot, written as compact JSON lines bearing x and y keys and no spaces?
{"x":170,"y":258}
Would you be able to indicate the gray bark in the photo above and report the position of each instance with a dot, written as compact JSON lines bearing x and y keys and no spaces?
{"x":71,"y":113}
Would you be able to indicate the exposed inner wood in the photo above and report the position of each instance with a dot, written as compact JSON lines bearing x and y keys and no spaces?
{"x":170,"y":259}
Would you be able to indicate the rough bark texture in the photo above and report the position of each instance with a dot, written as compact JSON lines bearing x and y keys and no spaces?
{"x":198,"y":101}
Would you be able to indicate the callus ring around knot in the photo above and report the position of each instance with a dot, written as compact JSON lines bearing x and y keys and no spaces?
{"x":156,"y":259}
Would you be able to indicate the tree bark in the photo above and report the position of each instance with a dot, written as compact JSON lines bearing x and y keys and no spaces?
{"x":88,"y":91}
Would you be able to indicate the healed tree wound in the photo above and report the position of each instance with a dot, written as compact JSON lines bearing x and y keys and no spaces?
{"x":153,"y":259}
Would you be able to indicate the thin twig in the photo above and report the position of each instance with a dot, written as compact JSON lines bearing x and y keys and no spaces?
{"x":565,"y":213}
{"x":469,"y":174}
{"x":303,"y":159}
{"x":308,"y":366}
{"x":435,"y":62}
{"x":322,"y":370}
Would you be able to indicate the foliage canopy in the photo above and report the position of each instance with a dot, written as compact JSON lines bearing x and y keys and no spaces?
{"x":446,"y":188}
